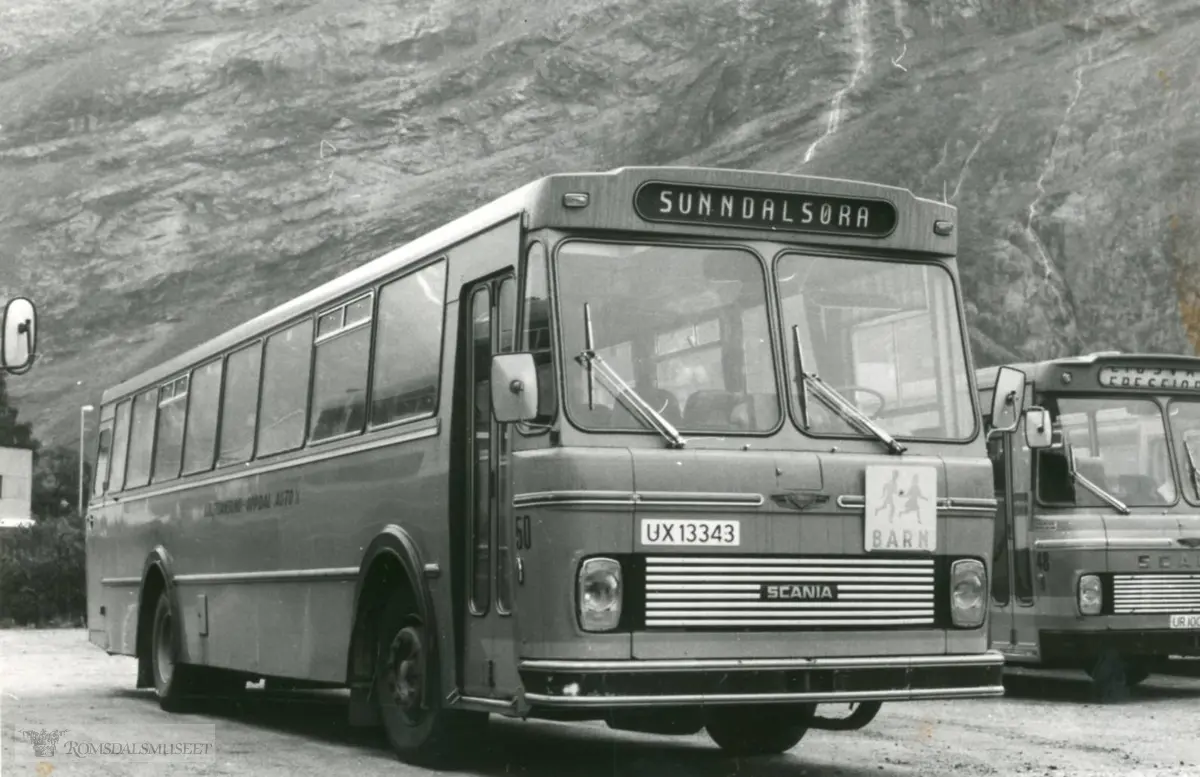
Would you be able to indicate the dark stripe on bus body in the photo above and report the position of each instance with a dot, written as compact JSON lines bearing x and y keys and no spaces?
{"x":635,"y":498}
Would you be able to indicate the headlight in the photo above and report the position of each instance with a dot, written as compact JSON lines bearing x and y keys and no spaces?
{"x":1091,"y":597}
{"x":599,"y":594}
{"x":968,"y":593}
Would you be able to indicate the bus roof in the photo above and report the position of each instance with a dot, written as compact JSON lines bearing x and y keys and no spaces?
{"x":611,"y":203}
{"x":1048,"y":371}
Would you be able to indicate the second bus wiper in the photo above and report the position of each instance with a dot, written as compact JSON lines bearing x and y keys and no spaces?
{"x":626,"y":395}
{"x":836,"y":402}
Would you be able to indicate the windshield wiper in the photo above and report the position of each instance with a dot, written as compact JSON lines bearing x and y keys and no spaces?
{"x":846,"y":410}
{"x":598,"y":368}
{"x":1191,"y":460}
{"x":1096,"y":490}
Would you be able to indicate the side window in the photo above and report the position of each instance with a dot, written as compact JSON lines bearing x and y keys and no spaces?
{"x":339,"y":404}
{"x":239,"y":406}
{"x":116,"y":473}
{"x":172,"y":412}
{"x":408,"y":346}
{"x":103,"y":458}
{"x":200,"y":441}
{"x":141,"y":439}
{"x":285,"y":389}
{"x":535,"y":330}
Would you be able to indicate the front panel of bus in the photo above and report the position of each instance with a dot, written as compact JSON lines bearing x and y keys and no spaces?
{"x":781,"y":528}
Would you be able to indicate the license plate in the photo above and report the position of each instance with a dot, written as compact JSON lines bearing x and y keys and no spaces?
{"x":662,"y":531}
{"x":900,"y":509}
{"x":1186,"y":622}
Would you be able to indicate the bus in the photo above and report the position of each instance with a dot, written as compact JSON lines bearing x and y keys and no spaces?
{"x":1097,"y":550}
{"x":677,"y":449}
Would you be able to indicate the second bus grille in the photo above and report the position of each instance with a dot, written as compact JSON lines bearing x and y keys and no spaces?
{"x":1164,"y":592}
{"x":724,"y":592}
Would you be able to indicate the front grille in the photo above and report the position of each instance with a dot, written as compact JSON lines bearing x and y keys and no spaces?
{"x":1162,"y":592}
{"x":773,"y":593}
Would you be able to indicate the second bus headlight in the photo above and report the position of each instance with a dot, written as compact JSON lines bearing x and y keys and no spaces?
{"x":1091,"y":596}
{"x":968,"y":593}
{"x":599,"y":596}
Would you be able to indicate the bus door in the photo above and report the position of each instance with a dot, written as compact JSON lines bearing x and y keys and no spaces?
{"x":1013,"y":622}
{"x":1001,"y":628}
{"x":489,"y":634}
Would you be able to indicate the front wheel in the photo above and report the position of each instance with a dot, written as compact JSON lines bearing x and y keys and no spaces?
{"x":173,"y":681}
{"x":767,"y":730}
{"x":1113,"y":675}
{"x":422,"y":734}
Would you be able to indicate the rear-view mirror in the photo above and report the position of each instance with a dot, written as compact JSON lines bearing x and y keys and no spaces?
{"x":514,"y":388}
{"x":1007,"y":399}
{"x":19,"y":329}
{"x":1039,"y":431}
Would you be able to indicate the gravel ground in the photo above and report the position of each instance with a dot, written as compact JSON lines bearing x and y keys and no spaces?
{"x":1047,"y":725}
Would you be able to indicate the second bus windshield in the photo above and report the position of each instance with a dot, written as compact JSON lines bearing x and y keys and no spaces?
{"x":687,"y":328}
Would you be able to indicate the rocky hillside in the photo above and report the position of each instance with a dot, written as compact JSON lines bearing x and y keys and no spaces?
{"x":173,"y":167}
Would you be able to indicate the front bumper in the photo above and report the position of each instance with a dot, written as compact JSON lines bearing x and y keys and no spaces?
{"x":675,"y":683}
{"x":1085,"y":645}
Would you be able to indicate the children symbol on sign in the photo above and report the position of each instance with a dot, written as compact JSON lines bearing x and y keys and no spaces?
{"x":891,"y":490}
{"x":911,"y":504}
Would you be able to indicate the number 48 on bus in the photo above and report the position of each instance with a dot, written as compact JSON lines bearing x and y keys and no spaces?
{"x":19,"y":330}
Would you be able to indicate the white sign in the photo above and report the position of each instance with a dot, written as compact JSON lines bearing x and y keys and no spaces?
{"x":901,"y":509}
{"x":663,"y":531}
{"x":1190,"y":622}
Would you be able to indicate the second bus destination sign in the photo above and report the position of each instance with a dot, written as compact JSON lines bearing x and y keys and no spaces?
{"x":755,"y":209}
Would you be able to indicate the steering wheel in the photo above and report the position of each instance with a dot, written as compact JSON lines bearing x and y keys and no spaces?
{"x":846,"y":391}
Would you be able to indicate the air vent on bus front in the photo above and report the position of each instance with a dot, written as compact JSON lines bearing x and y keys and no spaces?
{"x":769,"y":593}
{"x":1161,"y":593}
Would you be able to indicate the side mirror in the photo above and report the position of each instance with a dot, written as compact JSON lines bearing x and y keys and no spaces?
{"x":1039,"y":432}
{"x":1007,"y":400}
{"x":19,"y":329}
{"x":514,"y":388}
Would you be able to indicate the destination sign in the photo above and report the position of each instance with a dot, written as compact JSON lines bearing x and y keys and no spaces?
{"x":1149,"y":378}
{"x":758,"y":209}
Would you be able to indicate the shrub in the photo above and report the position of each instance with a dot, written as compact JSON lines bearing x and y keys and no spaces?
{"x":43,"y":573}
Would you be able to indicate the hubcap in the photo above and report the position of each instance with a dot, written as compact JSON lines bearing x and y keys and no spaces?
{"x":406,"y":664}
{"x":164,"y":662}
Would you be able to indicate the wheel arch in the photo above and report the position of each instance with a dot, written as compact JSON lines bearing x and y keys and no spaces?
{"x":392,"y":559}
{"x":157,"y":577}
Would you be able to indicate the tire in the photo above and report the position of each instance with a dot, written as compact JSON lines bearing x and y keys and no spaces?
{"x":435,"y":737}
{"x":751,"y":731}
{"x":1136,"y":673}
{"x":1110,"y":677}
{"x":174,"y":683}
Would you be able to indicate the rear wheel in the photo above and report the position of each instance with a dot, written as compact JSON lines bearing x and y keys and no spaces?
{"x":767,"y":730}
{"x":421,"y":734}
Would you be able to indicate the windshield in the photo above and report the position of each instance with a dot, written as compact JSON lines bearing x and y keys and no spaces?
{"x":883,"y":334}
{"x":1185,"y":424}
{"x":685,"y":327}
{"x":1119,"y":444}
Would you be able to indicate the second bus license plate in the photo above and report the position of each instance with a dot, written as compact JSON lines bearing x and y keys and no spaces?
{"x":669,"y":531}
{"x":1185,"y":622}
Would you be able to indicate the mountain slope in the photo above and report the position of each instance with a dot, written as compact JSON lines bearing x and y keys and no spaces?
{"x":171,"y":170}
